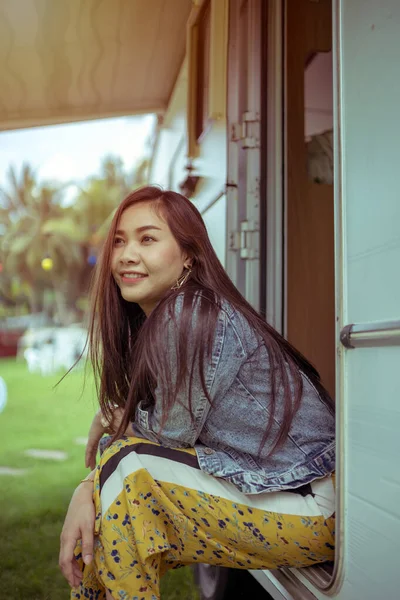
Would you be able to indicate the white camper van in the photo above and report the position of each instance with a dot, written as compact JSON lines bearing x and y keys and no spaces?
{"x":298,"y":183}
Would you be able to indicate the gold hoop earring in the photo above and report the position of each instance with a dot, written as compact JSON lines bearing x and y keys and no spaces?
{"x":182,"y":279}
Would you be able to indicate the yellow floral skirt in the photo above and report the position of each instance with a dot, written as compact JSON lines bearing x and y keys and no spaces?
{"x":156,"y":510}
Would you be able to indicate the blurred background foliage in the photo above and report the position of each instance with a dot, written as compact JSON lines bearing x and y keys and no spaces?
{"x":50,"y":236}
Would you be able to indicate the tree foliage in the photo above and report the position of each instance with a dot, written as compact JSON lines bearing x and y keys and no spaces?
{"x":35,"y":224}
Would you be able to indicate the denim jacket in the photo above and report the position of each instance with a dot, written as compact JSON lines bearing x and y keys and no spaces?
{"x":227,"y":433}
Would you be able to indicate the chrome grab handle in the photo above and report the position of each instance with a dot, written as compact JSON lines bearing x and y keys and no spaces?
{"x":369,"y":335}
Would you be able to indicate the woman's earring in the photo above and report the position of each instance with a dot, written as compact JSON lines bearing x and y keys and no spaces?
{"x":182,"y":279}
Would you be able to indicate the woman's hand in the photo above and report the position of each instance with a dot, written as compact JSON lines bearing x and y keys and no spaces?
{"x":78,"y":524}
{"x":96,"y":432}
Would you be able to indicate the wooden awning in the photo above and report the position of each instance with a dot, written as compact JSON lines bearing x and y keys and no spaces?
{"x":71,"y":60}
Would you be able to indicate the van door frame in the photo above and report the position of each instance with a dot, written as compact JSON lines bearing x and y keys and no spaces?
{"x":244,"y":148}
{"x":272,"y":166}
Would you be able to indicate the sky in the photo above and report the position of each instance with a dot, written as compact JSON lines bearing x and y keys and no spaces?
{"x":74,"y":151}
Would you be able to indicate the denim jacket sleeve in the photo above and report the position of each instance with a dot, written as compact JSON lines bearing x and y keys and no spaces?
{"x":181,"y":429}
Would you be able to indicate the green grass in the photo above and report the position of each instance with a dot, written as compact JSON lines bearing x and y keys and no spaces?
{"x":32,"y":507}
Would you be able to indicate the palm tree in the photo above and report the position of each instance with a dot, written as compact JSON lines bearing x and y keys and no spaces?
{"x":132,"y":181}
{"x":18,"y":197}
{"x":17,"y":215}
{"x":37,"y":226}
{"x":102,"y":193}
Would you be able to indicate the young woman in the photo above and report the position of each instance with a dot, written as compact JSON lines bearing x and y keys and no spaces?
{"x":224,"y":441}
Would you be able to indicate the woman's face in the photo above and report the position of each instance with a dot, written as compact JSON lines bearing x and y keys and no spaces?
{"x":146,"y":259}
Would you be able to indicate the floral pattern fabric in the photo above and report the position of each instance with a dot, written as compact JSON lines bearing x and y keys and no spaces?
{"x":145,"y":526}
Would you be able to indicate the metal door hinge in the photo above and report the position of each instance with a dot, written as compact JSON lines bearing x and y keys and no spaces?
{"x":246,"y":241}
{"x":247,"y":131}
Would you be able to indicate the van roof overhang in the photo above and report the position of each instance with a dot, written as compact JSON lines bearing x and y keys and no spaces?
{"x":88,"y":59}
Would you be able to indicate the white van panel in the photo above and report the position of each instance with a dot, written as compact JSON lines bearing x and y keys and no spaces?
{"x":371,"y":133}
{"x":215,"y":220}
{"x":178,"y":163}
{"x":372,"y":523}
{"x":369,"y":47}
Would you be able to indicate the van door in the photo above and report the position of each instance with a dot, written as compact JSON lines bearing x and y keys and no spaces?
{"x":243,"y":184}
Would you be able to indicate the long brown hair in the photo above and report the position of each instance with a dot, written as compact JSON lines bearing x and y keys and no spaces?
{"x":127,"y":352}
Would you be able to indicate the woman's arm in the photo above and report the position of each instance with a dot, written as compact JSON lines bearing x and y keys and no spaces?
{"x":78,"y":524}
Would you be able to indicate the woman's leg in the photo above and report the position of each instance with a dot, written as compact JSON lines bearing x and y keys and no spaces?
{"x":159,"y":511}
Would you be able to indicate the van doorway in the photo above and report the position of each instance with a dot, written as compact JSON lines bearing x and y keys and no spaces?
{"x":309,"y":294}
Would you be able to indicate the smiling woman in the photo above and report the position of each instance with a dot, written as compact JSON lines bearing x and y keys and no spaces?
{"x":223,"y":442}
{"x":146,"y":266}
